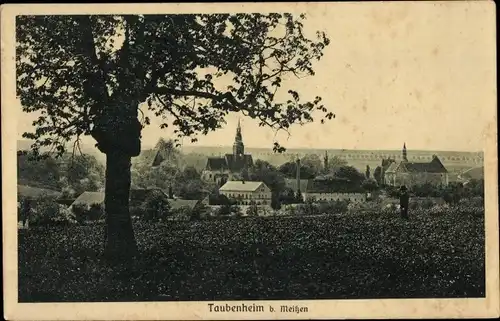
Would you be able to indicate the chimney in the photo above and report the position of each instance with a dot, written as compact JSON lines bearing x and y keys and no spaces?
{"x":298,"y":176}
{"x":170,"y":192}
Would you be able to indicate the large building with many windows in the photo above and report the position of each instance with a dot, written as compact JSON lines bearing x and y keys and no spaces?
{"x":246,"y":192}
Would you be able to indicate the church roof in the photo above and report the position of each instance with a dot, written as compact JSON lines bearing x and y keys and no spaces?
{"x":234,"y":163}
{"x":393,"y":167}
{"x":216,"y":163}
{"x":241,"y":186}
{"x":387,"y":162}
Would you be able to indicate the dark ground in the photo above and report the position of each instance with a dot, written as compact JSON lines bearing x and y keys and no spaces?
{"x":329,"y":257}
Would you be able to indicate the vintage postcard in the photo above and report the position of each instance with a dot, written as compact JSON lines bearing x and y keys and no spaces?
{"x":240,"y":161}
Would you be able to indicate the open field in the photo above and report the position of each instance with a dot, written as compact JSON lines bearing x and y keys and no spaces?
{"x":308,"y":257}
{"x":347,"y":256}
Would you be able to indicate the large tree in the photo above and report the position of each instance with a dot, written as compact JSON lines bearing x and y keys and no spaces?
{"x":91,"y":75}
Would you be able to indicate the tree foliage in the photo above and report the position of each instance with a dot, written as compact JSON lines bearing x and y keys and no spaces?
{"x":333,"y":164}
{"x":289,"y":170}
{"x":73,"y":174}
{"x":377,"y":175}
{"x":87,"y":75}
{"x":350,"y":173}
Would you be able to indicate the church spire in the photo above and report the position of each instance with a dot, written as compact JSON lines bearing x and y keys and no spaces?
{"x":404,"y":152}
{"x":238,"y":147}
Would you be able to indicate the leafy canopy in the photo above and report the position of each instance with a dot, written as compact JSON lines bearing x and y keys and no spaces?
{"x":88,"y":75}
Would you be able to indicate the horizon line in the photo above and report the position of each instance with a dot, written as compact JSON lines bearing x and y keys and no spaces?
{"x":189,"y":146}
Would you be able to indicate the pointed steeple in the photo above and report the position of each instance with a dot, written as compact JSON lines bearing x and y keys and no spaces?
{"x":404,"y":152}
{"x":238,"y":147}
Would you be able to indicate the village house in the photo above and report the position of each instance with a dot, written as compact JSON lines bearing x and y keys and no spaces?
{"x":88,"y":199}
{"x":322,"y":190}
{"x":411,"y":173}
{"x":244,"y":192}
{"x":222,"y":169}
{"x":325,"y":189}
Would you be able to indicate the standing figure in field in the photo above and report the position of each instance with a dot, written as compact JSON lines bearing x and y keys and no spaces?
{"x":404,"y":200}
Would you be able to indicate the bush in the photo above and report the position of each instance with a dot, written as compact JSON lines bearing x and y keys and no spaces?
{"x":252,"y":210}
{"x":80,"y":212}
{"x":308,"y":208}
{"x":84,"y":213}
{"x":218,"y":199}
{"x":136,"y":211}
{"x":236,"y":211}
{"x":96,"y":212}
{"x":156,"y":207}
{"x":224,"y":210}
{"x":201,"y":211}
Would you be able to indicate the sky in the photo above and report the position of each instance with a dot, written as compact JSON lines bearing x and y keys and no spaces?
{"x":423,"y":74}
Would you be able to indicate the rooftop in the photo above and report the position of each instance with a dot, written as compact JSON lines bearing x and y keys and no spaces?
{"x":241,"y":186}
{"x":25,"y":191}
{"x":89,"y":198}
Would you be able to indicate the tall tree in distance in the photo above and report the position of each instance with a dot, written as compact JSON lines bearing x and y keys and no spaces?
{"x":91,"y":75}
{"x":377,"y":175}
{"x":334,"y":163}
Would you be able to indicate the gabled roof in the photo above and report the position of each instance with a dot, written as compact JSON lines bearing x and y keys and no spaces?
{"x":89,"y":198}
{"x":434,"y":166}
{"x":216,"y":163}
{"x":234,"y":163}
{"x":28,"y":192}
{"x":241,"y":186}
{"x":177,"y":203}
{"x":393,"y":167}
{"x":291,"y":183}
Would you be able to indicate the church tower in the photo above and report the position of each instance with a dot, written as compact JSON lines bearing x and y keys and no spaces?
{"x":404,"y":153}
{"x":326,"y":160}
{"x":238,"y":147}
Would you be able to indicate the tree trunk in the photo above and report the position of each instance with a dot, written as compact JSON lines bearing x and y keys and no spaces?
{"x":120,"y":243}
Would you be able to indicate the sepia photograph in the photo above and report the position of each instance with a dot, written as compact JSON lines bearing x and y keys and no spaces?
{"x":250,"y":161}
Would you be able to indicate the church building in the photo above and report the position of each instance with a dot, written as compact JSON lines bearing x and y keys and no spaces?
{"x":222,"y":169}
{"x":410,"y":173}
